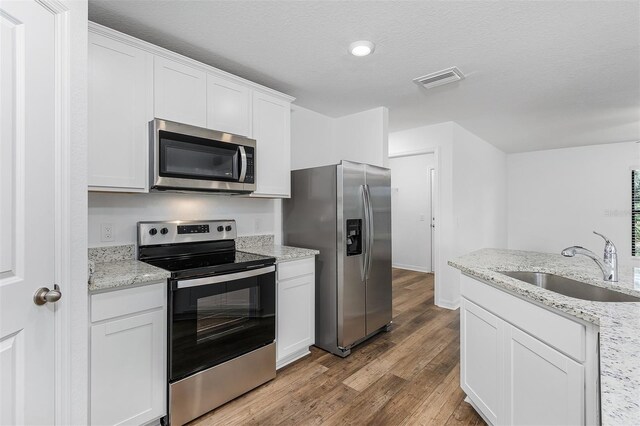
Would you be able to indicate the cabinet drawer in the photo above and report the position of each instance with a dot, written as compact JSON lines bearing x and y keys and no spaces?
{"x":569,"y":337}
{"x":295,"y":268}
{"x":118,"y":303}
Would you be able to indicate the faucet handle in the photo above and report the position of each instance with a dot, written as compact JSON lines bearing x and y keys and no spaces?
{"x":608,"y":246}
{"x":606,"y":240}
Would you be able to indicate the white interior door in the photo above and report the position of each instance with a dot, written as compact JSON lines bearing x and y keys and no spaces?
{"x":27,"y":194}
{"x":411,"y":212}
{"x":432,"y":208}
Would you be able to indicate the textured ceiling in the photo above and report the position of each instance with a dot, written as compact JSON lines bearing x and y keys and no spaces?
{"x":539,"y":74}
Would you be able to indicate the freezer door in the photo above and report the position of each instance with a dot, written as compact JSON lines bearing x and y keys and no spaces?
{"x":351,"y":284}
{"x":378,"y":283}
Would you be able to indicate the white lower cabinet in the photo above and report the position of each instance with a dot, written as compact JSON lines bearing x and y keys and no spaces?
{"x":295,"y":330}
{"x":516,"y":372}
{"x":128,"y":356}
{"x":482,"y":359}
{"x":544,"y":387}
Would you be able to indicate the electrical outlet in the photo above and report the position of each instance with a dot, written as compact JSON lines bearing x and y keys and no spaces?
{"x":257,"y":224}
{"x":106,"y":232}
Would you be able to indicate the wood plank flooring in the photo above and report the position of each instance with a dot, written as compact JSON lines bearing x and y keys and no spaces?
{"x":408,"y":376}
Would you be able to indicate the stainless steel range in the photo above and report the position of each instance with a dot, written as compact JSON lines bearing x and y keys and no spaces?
{"x":221,"y":316}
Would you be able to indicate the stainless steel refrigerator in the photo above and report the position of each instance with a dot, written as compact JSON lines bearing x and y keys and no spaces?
{"x":344,"y":211}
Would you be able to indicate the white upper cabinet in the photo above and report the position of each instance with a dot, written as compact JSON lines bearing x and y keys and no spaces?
{"x":272,"y":132}
{"x":120,"y":106}
{"x":180,"y":92}
{"x":131,"y":82}
{"x":228,"y":106}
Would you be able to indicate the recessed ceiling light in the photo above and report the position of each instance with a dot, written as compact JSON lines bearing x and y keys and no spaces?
{"x":361,"y":48}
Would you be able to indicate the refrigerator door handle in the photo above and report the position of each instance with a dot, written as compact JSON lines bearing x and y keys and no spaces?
{"x":365,"y":239}
{"x":370,"y":232}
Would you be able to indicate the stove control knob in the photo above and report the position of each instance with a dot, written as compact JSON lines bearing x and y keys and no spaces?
{"x":153,"y":231}
{"x":228,"y":228}
{"x":220,"y":228}
{"x":164,"y":231}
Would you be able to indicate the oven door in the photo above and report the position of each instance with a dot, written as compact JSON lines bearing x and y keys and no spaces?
{"x":215,"y":319}
{"x":187,"y":157}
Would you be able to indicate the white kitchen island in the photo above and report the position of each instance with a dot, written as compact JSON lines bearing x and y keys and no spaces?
{"x":528,"y":353}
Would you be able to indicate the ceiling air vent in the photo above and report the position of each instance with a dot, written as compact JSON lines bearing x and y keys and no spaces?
{"x":439,"y":78}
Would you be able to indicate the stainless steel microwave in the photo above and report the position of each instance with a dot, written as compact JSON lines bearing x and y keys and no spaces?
{"x":189,"y":158}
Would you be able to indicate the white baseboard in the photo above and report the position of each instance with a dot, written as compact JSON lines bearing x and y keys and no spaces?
{"x":447,"y":304}
{"x":292,"y":357}
{"x":470,"y":402}
{"x":411,"y":268}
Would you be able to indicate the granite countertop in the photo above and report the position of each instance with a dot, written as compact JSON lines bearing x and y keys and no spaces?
{"x":264,"y":245}
{"x":619,"y":322}
{"x":124,"y":273}
{"x":281,"y":253}
{"x":115,"y":267}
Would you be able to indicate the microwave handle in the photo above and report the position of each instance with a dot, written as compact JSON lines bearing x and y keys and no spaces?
{"x":243,"y":163}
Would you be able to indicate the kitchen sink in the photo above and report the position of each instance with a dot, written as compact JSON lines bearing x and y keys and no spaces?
{"x":569,"y":287}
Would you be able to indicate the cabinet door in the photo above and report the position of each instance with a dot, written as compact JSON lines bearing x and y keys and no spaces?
{"x":295,"y":317}
{"x":180,"y":92}
{"x":543,"y":386}
{"x":120,"y":107}
{"x":482,"y":359}
{"x":228,"y":106}
{"x":272,"y":132}
{"x":128,"y":370}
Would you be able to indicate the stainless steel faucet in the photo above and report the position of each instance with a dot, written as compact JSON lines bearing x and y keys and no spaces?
{"x":609,"y":264}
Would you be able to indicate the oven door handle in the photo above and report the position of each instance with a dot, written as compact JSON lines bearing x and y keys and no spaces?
{"x":243,"y":163}
{"x":224,"y":278}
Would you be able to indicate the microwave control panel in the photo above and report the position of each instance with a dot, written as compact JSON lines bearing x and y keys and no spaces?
{"x":250,"y":175}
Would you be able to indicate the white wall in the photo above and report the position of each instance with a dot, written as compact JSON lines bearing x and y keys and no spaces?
{"x":470,"y":196}
{"x":312,"y":139}
{"x":318,"y":140}
{"x":411,"y":211}
{"x":123,"y":211}
{"x":363,"y":137}
{"x":480,"y":192}
{"x":557,"y":197}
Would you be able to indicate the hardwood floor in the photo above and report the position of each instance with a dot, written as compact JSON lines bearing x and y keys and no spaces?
{"x":407,"y":376}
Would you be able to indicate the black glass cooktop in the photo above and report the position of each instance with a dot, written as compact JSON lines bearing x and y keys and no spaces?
{"x":209,"y":263}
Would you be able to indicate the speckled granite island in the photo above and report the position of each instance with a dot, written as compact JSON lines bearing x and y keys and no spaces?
{"x":618,"y":323}
{"x":115,"y":267}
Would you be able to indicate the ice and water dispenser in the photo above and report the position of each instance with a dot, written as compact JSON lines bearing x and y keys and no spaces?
{"x":354,"y":237}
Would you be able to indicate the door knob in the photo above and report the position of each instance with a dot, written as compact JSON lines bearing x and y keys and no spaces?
{"x":44,"y":295}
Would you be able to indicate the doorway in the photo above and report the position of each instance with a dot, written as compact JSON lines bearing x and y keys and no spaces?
{"x":412,"y":212}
